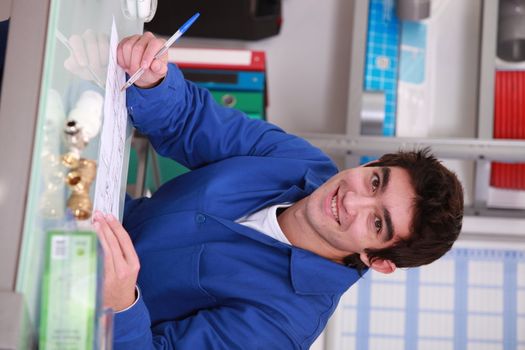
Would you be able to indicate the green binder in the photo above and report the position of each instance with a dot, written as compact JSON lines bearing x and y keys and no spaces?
{"x":246,"y":101}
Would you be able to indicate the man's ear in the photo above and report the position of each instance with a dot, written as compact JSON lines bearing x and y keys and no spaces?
{"x":380,"y":265}
{"x":383,"y":266}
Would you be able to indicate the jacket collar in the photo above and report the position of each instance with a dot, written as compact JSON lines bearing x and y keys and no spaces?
{"x":293,"y":193}
{"x":312,"y":274}
{"x":309,"y":273}
{"x":312,"y":181}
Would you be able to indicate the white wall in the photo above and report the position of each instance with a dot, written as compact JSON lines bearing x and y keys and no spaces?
{"x":307,"y":65}
{"x":5,"y":9}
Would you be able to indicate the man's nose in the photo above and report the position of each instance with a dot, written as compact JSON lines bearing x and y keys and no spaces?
{"x":354,"y":202}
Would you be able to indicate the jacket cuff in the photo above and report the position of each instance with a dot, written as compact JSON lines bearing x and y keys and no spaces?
{"x":132,"y":322}
{"x":137,"y":296}
{"x":146,"y":105}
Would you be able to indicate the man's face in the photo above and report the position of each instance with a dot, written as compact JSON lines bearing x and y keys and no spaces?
{"x":365,"y":207}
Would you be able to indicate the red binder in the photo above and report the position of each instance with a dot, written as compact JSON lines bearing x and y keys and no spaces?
{"x":216,"y":59}
{"x":509,"y":123}
{"x":208,"y":58}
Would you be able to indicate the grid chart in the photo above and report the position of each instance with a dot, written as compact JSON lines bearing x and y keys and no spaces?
{"x":471,"y":299}
{"x":382,"y":49}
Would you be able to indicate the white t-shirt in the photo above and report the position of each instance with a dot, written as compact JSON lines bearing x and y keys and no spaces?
{"x":265,"y":221}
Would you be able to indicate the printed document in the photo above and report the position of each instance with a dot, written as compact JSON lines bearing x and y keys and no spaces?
{"x":112,"y":137}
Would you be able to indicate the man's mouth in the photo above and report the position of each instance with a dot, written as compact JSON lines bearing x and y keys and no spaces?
{"x":335,"y":209}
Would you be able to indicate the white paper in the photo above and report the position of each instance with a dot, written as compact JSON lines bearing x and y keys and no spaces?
{"x":112,"y":137}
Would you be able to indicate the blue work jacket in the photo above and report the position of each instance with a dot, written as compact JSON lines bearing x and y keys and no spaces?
{"x":207,"y":282}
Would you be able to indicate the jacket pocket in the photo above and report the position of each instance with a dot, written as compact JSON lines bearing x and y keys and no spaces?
{"x":170,"y":282}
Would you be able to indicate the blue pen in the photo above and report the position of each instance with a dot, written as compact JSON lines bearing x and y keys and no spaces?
{"x":164,"y":48}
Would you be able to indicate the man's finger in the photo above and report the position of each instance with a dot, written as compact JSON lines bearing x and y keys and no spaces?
{"x":113,"y":244}
{"x":154,"y":45}
{"x":159,"y":67}
{"x":120,"y":59}
{"x":126,"y":46}
{"x":108,"y":257}
{"x":137,"y":53}
{"x":123,"y":238}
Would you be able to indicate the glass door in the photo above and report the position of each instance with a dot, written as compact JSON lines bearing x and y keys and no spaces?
{"x":74,"y":71}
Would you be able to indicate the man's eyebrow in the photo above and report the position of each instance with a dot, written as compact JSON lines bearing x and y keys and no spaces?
{"x":389,"y":226}
{"x":385,"y":172}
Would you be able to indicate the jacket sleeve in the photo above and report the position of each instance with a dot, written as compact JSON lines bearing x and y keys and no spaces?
{"x":245,"y":327}
{"x":183,"y":122}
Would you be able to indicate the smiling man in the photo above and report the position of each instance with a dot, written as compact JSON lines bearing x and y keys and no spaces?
{"x":357,"y":209}
{"x":254,"y":247}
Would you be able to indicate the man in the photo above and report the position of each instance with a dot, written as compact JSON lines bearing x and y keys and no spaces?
{"x":254,"y":248}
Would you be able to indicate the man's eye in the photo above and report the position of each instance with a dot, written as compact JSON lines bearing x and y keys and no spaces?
{"x":375,"y":182}
{"x":378,"y":224}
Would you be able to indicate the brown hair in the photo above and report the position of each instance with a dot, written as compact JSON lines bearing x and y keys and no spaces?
{"x":438,"y":212}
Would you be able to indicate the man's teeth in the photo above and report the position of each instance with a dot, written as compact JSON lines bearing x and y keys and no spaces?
{"x":334,"y":208}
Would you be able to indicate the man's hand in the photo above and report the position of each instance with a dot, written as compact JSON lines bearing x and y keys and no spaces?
{"x":138,"y":51}
{"x":121,"y":264}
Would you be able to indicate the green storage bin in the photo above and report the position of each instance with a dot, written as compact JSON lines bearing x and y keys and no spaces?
{"x":168,"y":169}
{"x":246,"y":101}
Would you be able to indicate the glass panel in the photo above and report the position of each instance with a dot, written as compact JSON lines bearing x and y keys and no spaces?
{"x":73,"y":81}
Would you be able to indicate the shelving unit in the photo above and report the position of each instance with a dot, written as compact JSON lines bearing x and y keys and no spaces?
{"x":482,"y":225}
{"x":482,"y":149}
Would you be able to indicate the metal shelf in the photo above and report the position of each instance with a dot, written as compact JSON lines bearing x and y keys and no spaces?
{"x":511,"y":151}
